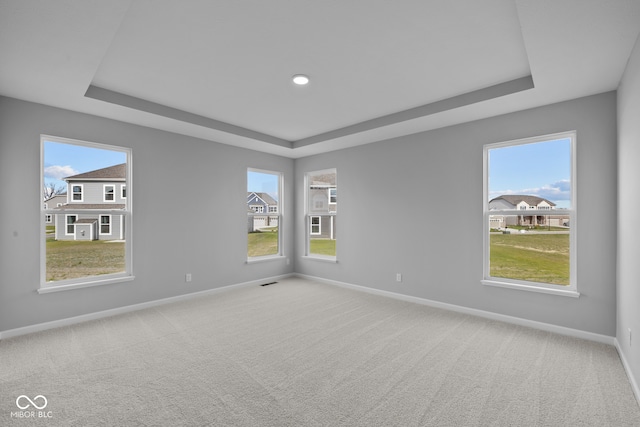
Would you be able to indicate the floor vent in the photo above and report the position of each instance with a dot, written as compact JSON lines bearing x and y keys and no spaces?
{"x":267,"y":284}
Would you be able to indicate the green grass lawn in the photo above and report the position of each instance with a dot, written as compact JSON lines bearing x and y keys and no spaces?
{"x":322,"y":247}
{"x":266,"y":243}
{"x":262,"y":244}
{"x":540,"y":258}
{"x":69,"y":259}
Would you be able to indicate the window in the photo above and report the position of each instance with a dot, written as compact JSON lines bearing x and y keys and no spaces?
{"x":264,"y":204}
{"x":316,"y":225}
{"x":76,"y":191}
{"x":109,"y":193}
{"x":71,"y":227}
{"x":321,"y":210}
{"x":123,"y":191}
{"x":105,"y":224}
{"x":532,"y":250}
{"x":89,"y":240}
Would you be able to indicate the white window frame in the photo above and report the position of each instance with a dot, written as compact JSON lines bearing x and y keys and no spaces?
{"x":570,"y":290}
{"x":100,"y":233}
{"x":104,"y":193}
{"x":123,"y":191}
{"x":67,"y":224}
{"x":331,"y":212}
{"x":72,"y":200}
{"x":311,"y":224}
{"x":126,"y":214}
{"x":261,"y":214}
{"x":333,"y":198}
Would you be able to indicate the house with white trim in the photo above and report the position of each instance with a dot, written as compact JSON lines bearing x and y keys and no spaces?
{"x":525,"y":203}
{"x":87,"y":193}
{"x":52,"y":202}
{"x":323,"y":201}
{"x":258,"y":203}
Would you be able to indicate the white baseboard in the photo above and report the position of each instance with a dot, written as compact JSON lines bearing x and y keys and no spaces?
{"x":129,"y":308}
{"x":576,"y":333}
{"x":627,"y":368}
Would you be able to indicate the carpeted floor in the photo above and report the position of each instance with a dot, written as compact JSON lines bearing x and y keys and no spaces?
{"x":300,"y":353}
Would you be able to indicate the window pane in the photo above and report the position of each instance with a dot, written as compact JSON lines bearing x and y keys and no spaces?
{"x":322,"y":192}
{"x":109,"y":191}
{"x":322,"y":235}
{"x":85,"y":243}
{"x":540,"y":169}
{"x":530,"y":211}
{"x":263,"y":209}
{"x":322,"y":205}
{"x":533,"y":248}
{"x":105,"y":224}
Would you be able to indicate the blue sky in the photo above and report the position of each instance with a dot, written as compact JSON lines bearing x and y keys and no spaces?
{"x":263,"y":183}
{"x":541,"y":169}
{"x":63,"y":160}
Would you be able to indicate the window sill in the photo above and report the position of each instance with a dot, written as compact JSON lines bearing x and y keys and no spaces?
{"x":532,"y":288}
{"x":329,"y":259}
{"x":265,"y":259}
{"x":79,"y":285}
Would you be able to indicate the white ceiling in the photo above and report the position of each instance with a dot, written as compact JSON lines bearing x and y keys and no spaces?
{"x":221,"y":70}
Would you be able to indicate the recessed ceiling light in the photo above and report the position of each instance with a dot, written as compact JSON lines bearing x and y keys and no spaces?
{"x":300,"y":79}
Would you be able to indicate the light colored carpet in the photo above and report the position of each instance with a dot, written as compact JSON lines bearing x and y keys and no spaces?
{"x":300,"y":353}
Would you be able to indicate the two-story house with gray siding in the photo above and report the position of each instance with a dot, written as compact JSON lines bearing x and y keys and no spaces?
{"x":261,"y":203}
{"x":88,"y":192}
{"x":52,"y":203}
{"x":525,"y":203}
{"x":322,"y":201}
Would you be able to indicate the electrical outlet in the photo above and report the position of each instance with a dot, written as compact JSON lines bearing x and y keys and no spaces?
{"x":187,"y":277}
{"x":398,"y":277}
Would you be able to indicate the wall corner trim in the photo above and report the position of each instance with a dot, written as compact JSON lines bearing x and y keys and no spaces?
{"x":627,"y":368}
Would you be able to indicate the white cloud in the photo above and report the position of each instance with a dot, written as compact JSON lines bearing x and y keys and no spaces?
{"x":557,"y":191}
{"x":59,"y":172}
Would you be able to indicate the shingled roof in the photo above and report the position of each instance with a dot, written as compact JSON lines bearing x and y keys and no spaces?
{"x":328,"y":179}
{"x":264,"y":196}
{"x":111,"y":173}
{"x":514,"y":199}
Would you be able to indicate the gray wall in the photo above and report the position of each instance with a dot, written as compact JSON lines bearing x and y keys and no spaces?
{"x":201,"y":231}
{"x":628,"y":210}
{"x":435,"y":178}
{"x":429,"y":178}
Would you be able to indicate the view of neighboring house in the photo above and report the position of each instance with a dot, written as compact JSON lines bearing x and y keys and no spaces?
{"x":90,"y":191}
{"x":525,"y":203}
{"x":54,"y":202}
{"x":261,"y":203}
{"x":323,"y":200}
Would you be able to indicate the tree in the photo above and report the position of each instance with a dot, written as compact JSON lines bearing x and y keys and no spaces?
{"x":50,"y":189}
